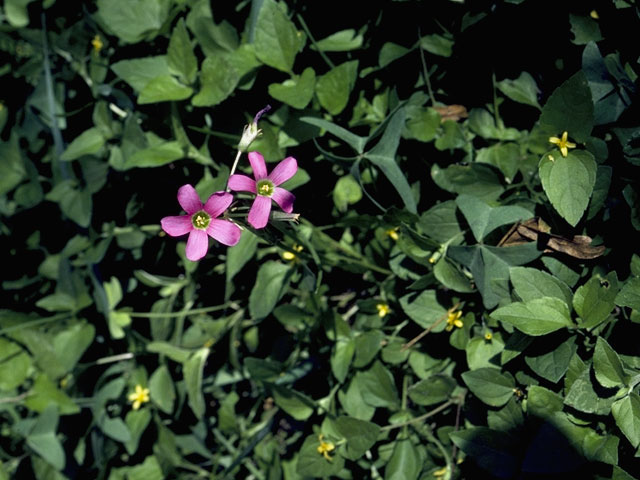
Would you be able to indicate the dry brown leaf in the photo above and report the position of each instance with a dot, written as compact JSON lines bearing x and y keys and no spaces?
{"x":452,"y":112}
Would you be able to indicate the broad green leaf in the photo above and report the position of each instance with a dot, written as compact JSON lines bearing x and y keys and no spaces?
{"x":390,"y":52}
{"x":626,"y":413}
{"x":71,"y":343}
{"x":271,"y":282}
{"x":368,"y":344}
{"x":74,"y":203}
{"x":508,"y":418}
{"x":607,"y":365}
{"x":161,"y":389}
{"x":383,"y":156}
{"x":432,"y":390}
{"x":17,"y":13}
{"x":342,"y":41}
{"x":296,"y":91}
{"x":441,"y":222}
{"x":451,"y":137}
{"x":531,"y":283}
{"x":341,"y":358}
{"x":477,"y":179}
{"x":294,"y":403}
{"x":218,"y":80}
{"x":150,"y":469}
{"x":584,"y":396}
{"x":176,"y":354}
{"x":424,"y":309}
{"x":12,"y":167}
{"x":542,"y":402}
{"x":539,"y":316}
{"x":496,"y":452}
{"x":163,"y":89}
{"x":422,"y":123}
{"x":377,"y":387}
{"x":334,"y":87}
{"x":595,"y":300}
{"x":480,"y":352}
{"x":133,"y":20}
{"x":155,"y":156}
{"x":139,"y":72}
{"x":437,"y":44}
{"x":523,"y":89}
{"x":193,"y":370}
{"x":569,"y":109}
{"x":42,"y":438}
{"x":44,"y":393}
{"x":585,"y":29}
{"x":450,"y":276}
{"x":490,"y":267}
{"x":87,"y":143}
{"x":551,"y":359}
{"x":600,"y":190}
{"x":490,"y":385}
{"x":483,"y":219}
{"x":405,"y":462}
{"x":312,"y":464}
{"x":629,"y":296}
{"x":180,"y":57}
{"x":346,"y":192}
{"x":568,"y":182}
{"x":277,"y":40}
{"x":354,"y":141}
{"x":213,"y":38}
{"x":14,"y":365}
{"x":238,"y":256}
{"x":360,"y":436}
{"x":137,"y":422}
{"x":351,"y":401}
{"x":505,"y":156}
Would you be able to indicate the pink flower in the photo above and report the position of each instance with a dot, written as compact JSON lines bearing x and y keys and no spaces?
{"x":202,"y":220}
{"x":266,"y":187}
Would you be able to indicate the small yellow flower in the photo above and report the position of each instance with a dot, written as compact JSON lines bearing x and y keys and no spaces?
{"x":97,"y":43}
{"x":393,"y":233}
{"x":291,"y":256}
{"x":453,"y":320}
{"x":383,"y":309}
{"x":140,"y":396}
{"x":488,"y":336}
{"x":594,"y":14}
{"x":325,"y":447}
{"x":441,"y":472}
{"x":563,"y":144}
{"x":209,"y":343}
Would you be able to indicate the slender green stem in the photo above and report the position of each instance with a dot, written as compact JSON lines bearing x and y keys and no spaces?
{"x":33,"y":323}
{"x":496,"y":112}
{"x":313,"y":41}
{"x":193,"y":311}
{"x":422,"y":418}
{"x":425,"y":73}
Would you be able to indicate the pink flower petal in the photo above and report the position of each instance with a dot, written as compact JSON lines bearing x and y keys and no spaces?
{"x":224,"y":231}
{"x":284,"y":199}
{"x":286,"y":169}
{"x":197,"y":245}
{"x":259,"y":212}
{"x":257,"y":164}
{"x":218,"y":202}
{"x":242,"y":183}
{"x":176,"y":226}
{"x":188,"y":199}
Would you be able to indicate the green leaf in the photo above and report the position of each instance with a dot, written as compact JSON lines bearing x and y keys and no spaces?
{"x":383,"y":156}
{"x":193,"y":370}
{"x":539,"y":316}
{"x":71,"y":343}
{"x":133,"y":20}
{"x":607,"y":366}
{"x":523,"y":89}
{"x":568,"y":182}
{"x":424,"y":309}
{"x":16,"y":12}
{"x":626,"y":413}
{"x":313,"y":464}
{"x":367,"y":344}
{"x":346,"y":192}
{"x":15,"y":364}
{"x":137,"y":422}
{"x":505,"y":156}
{"x":351,"y":401}
{"x":12,"y":168}
{"x":271,"y":283}
{"x":180,"y":57}
{"x":480,"y":352}
{"x":155,"y":156}
{"x":87,"y":143}
{"x":542,"y":402}
{"x":531,"y":283}
{"x":161,"y":389}
{"x":74,"y":203}
{"x":360,"y":436}
{"x":422,"y":123}
{"x":582,"y":394}
{"x":377,"y":387}
{"x":297,"y":405}
{"x":390,"y":52}
{"x":238,"y":256}
{"x":296,"y":91}
{"x":569,"y":109}
{"x":342,"y":41}
{"x":139,"y":72}
{"x":163,"y":89}
{"x":44,"y":392}
{"x":441,"y":222}
{"x":42,"y":438}
{"x":429,"y":391}
{"x":452,"y":136}
{"x":341,"y":357}
{"x":483,"y":219}
{"x":495,"y":451}
{"x":150,"y":469}
{"x":450,"y":276}
{"x":629,"y":296}
{"x":585,"y":29}
{"x":334,"y":87}
{"x":477,"y":179}
{"x":405,"y":462}
{"x":218,"y":79}
{"x":437,"y":44}
{"x":277,"y":40}
{"x":490,"y":386}
{"x":551,"y":360}
{"x":595,"y":300}
{"x":354,"y":141}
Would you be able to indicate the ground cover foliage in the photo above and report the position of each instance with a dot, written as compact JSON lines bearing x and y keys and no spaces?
{"x":454,"y":292}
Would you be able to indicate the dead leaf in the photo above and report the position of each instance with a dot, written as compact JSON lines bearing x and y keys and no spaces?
{"x":536,"y":230}
{"x":452,"y":112}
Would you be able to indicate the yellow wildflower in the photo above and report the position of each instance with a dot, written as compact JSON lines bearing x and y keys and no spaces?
{"x":393,"y":233}
{"x":441,"y":472}
{"x":140,"y":396}
{"x":563,"y":143}
{"x":594,"y":14}
{"x":291,"y":256}
{"x":453,"y":320}
{"x":383,"y":309}
{"x":325,"y":447}
{"x":488,"y":336}
{"x":97,"y":43}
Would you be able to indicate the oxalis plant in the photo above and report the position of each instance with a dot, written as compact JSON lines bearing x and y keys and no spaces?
{"x":454,"y":296}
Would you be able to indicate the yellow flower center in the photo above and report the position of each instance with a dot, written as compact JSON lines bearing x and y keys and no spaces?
{"x":265,"y":188}
{"x":325,"y":447}
{"x":140,"y":396}
{"x":453,"y":320}
{"x":393,"y":233}
{"x":383,"y":309}
{"x":563,"y":143}
{"x":97,"y":43}
{"x":201,"y":220}
{"x":488,"y":336}
{"x":291,"y":256}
